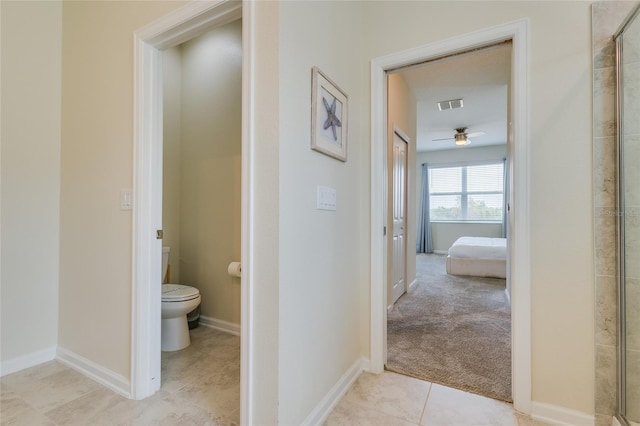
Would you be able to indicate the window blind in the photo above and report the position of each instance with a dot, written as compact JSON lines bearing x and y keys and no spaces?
{"x":471,"y":193}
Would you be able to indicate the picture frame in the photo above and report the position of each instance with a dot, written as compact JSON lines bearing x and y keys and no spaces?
{"x":329,"y":116}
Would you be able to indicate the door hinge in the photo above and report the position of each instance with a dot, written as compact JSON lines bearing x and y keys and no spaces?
{"x":159,"y":234}
{"x":384,"y":230}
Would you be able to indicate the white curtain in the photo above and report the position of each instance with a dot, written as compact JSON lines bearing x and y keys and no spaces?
{"x":424,"y":242}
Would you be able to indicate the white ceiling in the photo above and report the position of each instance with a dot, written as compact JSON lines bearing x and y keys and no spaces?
{"x":481,"y":79}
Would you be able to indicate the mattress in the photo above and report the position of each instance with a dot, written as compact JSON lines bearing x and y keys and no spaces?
{"x":479,"y":248}
{"x":492,"y":268}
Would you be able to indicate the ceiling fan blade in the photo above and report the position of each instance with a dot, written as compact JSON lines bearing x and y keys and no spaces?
{"x":442,"y":139}
{"x":475,"y":134}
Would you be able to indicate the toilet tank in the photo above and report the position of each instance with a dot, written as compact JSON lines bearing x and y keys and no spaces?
{"x":165,"y":262}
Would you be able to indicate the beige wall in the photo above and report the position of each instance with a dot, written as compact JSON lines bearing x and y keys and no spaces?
{"x":324,"y":264}
{"x":31,"y":85}
{"x":171,"y":154}
{"x":444,"y":234}
{"x":97,"y":161}
{"x":482,"y":153}
{"x":206,"y":166}
{"x":211,"y":167}
{"x":401,"y":112}
{"x":311,"y":268}
{"x":562,"y":280}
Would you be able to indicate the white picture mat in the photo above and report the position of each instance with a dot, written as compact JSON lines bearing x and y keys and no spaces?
{"x":328,"y":98}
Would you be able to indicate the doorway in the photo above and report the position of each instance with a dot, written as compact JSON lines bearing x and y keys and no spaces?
{"x":201,"y":213}
{"x":453,"y":328}
{"x":183,"y":24}
{"x":517,"y":32}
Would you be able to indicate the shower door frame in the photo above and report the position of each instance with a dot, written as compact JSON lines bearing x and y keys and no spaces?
{"x":620,"y":193}
{"x":621,"y":364}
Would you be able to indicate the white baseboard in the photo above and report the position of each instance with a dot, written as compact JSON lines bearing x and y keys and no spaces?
{"x":560,"y":415}
{"x":226,"y":326}
{"x":331,"y":399}
{"x":412,"y":285}
{"x":409,"y":289}
{"x":105,"y":377}
{"x":441,"y":252}
{"x":14,"y":365}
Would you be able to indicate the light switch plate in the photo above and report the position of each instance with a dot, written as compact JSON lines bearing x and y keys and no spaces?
{"x":327,"y":198}
{"x":126,"y":199}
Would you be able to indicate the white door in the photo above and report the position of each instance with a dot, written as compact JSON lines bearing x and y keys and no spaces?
{"x":399,"y":197}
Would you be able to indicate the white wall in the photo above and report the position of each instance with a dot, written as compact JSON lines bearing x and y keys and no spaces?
{"x":203,"y":155}
{"x":444,"y":234}
{"x":30,"y":133}
{"x":467,"y":153}
{"x":96,"y":162}
{"x":324,"y":265}
{"x":97,"y":158}
{"x":264,"y":179}
{"x":310,"y":268}
{"x":562,"y":280}
{"x":171,"y":156}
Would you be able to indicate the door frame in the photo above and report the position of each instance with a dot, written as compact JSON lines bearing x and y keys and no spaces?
{"x":520,"y":278}
{"x":183,"y":24}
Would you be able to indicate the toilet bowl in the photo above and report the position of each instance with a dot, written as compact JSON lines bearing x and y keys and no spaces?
{"x":177,"y":301}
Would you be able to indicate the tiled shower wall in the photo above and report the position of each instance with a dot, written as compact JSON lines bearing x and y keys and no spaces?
{"x":606,"y":18}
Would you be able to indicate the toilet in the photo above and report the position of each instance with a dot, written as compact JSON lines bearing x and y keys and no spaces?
{"x":177,"y":301}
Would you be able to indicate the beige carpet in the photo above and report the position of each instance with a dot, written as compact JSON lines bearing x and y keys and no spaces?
{"x":451,"y":330}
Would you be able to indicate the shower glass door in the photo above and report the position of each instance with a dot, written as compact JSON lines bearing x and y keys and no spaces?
{"x":628,"y":64}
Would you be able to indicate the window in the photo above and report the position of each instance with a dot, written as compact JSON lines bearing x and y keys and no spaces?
{"x":466,"y":193}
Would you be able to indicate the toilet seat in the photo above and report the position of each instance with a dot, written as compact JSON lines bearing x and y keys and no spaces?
{"x":178,"y":293}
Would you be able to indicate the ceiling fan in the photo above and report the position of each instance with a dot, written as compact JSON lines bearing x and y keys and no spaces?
{"x":461,"y":137}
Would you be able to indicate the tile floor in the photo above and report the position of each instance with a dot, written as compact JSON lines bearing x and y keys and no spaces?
{"x":201,"y":386}
{"x":392,"y":399}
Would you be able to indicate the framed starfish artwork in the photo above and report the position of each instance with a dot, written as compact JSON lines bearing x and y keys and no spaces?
{"x":329,"y":108}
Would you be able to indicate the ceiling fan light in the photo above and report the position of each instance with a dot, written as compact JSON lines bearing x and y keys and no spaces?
{"x":462,"y":139}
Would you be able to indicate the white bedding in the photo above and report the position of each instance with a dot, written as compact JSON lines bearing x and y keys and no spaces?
{"x":479,"y":248}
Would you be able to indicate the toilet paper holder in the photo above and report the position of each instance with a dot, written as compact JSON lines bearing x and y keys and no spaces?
{"x":235,"y":269}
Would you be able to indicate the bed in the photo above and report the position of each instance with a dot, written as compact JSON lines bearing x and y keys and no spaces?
{"x":478,"y":257}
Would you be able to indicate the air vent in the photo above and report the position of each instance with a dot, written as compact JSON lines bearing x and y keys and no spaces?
{"x":452,"y":104}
